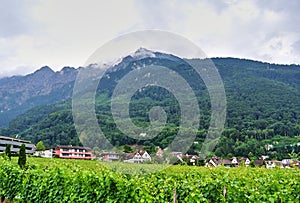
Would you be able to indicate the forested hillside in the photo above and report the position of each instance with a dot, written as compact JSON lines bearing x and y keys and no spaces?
{"x":263,"y":107}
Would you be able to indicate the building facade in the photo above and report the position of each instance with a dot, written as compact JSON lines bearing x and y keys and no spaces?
{"x":15,"y":145}
{"x":138,"y":157}
{"x":111,"y":156}
{"x":73,"y":152}
{"x":48,"y":153}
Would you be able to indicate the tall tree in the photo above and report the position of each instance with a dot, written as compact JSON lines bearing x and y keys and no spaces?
{"x":8,"y":151}
{"x":22,"y":156}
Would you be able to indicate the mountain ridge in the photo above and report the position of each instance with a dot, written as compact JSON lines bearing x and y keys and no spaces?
{"x":262,"y":104}
{"x":16,"y":90}
{"x":44,"y":86}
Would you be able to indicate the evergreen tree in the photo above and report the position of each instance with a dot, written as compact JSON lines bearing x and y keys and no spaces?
{"x":8,"y":151}
{"x":22,"y":156}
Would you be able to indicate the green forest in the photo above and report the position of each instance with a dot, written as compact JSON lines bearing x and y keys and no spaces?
{"x":263,"y":109}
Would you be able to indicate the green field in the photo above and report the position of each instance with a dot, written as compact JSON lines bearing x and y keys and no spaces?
{"x":58,"y":180}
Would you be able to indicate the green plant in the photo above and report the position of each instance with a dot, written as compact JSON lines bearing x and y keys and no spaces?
{"x":57,"y":180}
{"x":40,"y":146}
{"x":22,"y":156}
{"x":8,"y":151}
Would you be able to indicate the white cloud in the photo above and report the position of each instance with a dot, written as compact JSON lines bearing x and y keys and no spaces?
{"x":280,"y":48}
{"x":66,"y":33}
{"x":232,"y":28}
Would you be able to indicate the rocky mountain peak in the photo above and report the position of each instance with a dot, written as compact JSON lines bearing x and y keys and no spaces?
{"x":142,"y":53}
{"x":44,"y":69}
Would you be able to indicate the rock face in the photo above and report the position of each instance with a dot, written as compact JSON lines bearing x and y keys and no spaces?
{"x":21,"y":93}
{"x":44,"y":86}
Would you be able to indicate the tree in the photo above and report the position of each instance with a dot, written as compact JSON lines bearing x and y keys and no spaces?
{"x":8,"y":151}
{"x":22,"y":156}
{"x":127,"y":149}
{"x":40,"y":146}
{"x":293,"y":155}
{"x":151,"y":149}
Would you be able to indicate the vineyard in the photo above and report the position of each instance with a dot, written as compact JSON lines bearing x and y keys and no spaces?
{"x":56,"y":180}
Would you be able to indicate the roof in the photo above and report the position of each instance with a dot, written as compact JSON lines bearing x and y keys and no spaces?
{"x":226,"y":161}
{"x":243,"y":159}
{"x":141,"y":152}
{"x":114,"y":153}
{"x":72,"y":147}
{"x":129,"y":156}
{"x":14,"y":139}
{"x":259,"y":162}
{"x":191,"y":156}
{"x":219,"y":161}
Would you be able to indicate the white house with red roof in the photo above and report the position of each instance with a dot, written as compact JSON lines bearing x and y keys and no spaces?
{"x":138,"y":157}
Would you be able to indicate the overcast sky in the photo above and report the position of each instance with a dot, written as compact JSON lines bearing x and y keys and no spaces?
{"x":62,"y":33}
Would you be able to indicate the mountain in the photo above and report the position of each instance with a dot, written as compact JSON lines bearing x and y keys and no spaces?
{"x":263,"y":107}
{"x":21,"y":93}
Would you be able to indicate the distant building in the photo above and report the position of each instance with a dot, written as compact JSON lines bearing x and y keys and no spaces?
{"x":268,"y":147}
{"x":73,"y":152}
{"x":245,"y":161}
{"x":48,"y":153}
{"x":290,"y":163}
{"x":15,"y":145}
{"x":260,"y":162}
{"x":159,"y":152}
{"x":232,"y":162}
{"x":270,"y":164}
{"x":111,"y":156}
{"x":192,"y":158}
{"x":138,"y":157}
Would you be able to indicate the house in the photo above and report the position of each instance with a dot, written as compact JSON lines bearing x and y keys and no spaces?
{"x":133,"y":158}
{"x":15,"y":145}
{"x":111,"y":156}
{"x":245,"y":161}
{"x":159,"y":152}
{"x":215,"y":161}
{"x":264,"y":157}
{"x":145,"y":155}
{"x":295,"y":162}
{"x":226,"y":162}
{"x":211,"y":162}
{"x":259,"y":162}
{"x":73,"y":152}
{"x":270,"y":164}
{"x":268,"y":147}
{"x":278,"y":164}
{"x":232,"y":162}
{"x":191,"y":158}
{"x":286,"y":163}
{"x":46,"y":154}
{"x":137,"y":157}
{"x":177,"y":154}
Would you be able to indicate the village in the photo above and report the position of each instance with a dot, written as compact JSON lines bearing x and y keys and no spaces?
{"x":142,"y":156}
